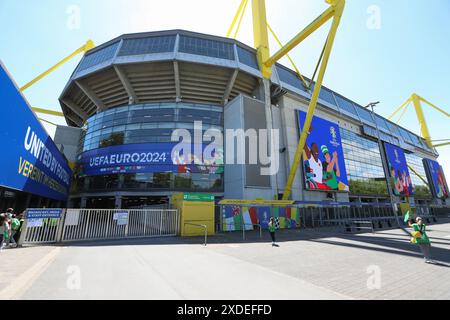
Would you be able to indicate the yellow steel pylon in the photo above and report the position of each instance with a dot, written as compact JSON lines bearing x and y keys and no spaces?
{"x":266,"y":61}
{"x":86,"y":47}
{"x":417,"y":100}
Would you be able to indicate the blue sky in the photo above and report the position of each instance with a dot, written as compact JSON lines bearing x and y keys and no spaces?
{"x":409,"y":52}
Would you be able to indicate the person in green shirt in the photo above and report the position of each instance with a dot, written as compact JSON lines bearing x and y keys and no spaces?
{"x":272,"y":230}
{"x":420,"y":237}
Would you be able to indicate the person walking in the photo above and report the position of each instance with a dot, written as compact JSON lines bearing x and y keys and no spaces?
{"x":21,"y":219}
{"x":5,"y":230}
{"x":272,"y":230}
{"x":420,"y":237}
{"x":15,"y":226}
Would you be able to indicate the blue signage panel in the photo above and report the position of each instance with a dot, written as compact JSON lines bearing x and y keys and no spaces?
{"x":439,"y":183}
{"x":30,"y":162}
{"x":44,"y":213}
{"x":151,"y":158}
{"x":398,"y":171}
{"x":323,"y":156}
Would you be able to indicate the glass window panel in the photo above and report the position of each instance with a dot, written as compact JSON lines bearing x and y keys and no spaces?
{"x":346,"y":105}
{"x":381,"y":123}
{"x":147,"y":45}
{"x":98,"y":57}
{"x":365,"y":114}
{"x":248,"y":57}
{"x":290,"y":77}
{"x":206,"y":47}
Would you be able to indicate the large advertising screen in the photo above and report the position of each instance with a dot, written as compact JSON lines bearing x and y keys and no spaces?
{"x":439,"y":183}
{"x":398,"y":171}
{"x":152,"y":158}
{"x":30,"y":160}
{"x":323,"y":156}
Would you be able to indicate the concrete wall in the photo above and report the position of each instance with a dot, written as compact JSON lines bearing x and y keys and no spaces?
{"x":238,"y":177}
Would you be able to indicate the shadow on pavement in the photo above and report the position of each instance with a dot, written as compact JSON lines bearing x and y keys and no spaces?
{"x":399,"y":245}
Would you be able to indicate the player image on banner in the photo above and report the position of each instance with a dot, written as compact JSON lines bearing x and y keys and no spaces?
{"x":440,"y":187}
{"x":323,"y":156}
{"x":398,"y":171}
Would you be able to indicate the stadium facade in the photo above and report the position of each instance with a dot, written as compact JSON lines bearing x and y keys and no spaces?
{"x":128,"y":95}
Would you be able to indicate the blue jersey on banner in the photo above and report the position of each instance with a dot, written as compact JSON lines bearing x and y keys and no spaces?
{"x":398,"y":171}
{"x":30,"y":160}
{"x":323,"y":156}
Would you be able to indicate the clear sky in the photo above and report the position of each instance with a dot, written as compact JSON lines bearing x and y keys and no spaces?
{"x":385,"y":50}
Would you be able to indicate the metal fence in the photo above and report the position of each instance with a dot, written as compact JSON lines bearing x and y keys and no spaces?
{"x":83,"y":224}
{"x":340,"y":216}
{"x":41,"y":231}
{"x":90,"y":224}
{"x":346,"y":217}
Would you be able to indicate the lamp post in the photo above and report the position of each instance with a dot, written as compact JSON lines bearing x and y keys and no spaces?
{"x":384,"y":160}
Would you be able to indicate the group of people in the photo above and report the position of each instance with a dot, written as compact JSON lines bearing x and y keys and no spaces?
{"x":10,"y":229}
{"x":401,"y":182}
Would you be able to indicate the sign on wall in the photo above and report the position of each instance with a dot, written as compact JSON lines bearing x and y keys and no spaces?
{"x":323,"y":156}
{"x":437,"y":177}
{"x":30,"y":160}
{"x":398,"y":171}
{"x":44,"y":213}
{"x":148,"y":158}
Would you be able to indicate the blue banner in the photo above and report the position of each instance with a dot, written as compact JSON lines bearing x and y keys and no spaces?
{"x":398,"y":171}
{"x":151,"y":158}
{"x":439,"y":182}
{"x":30,"y":162}
{"x":323,"y":156}
{"x":44,"y":213}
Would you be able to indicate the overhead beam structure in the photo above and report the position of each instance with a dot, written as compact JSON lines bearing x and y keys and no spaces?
{"x":261,"y":41}
{"x":86,"y":47}
{"x":417,"y":101}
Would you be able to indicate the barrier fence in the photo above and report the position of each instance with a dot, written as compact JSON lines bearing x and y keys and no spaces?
{"x":348,"y":217}
{"x":90,"y":224}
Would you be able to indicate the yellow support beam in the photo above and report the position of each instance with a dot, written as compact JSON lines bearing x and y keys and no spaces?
{"x":48,"y":112}
{"x":261,"y":36}
{"x":288,"y":56}
{"x":399,"y":109}
{"x":335,"y":11}
{"x":425,"y":132}
{"x":417,"y":174}
{"x":403,"y":114}
{"x":316,"y":24}
{"x":236,"y":17}
{"x":240,"y":19}
{"x":86,"y":47}
{"x":421,"y":116}
{"x":441,"y":145}
{"x":53,"y":124}
{"x":435,"y":107}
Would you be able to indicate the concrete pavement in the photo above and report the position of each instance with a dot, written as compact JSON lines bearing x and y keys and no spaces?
{"x":307,"y":265}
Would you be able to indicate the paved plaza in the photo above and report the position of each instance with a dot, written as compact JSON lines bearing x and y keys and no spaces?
{"x":308,"y":265}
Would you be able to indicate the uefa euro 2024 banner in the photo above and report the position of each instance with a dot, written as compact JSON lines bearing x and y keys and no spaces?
{"x":440,"y":186}
{"x":30,"y":160}
{"x":398,"y":171}
{"x":323,"y":156}
{"x":152,"y":158}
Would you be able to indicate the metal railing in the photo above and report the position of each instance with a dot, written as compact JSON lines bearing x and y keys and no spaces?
{"x":205,"y":227}
{"x":41,"y":231}
{"x":91,"y":224}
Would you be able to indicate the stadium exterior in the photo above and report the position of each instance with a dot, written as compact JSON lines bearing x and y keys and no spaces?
{"x":132,"y":92}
